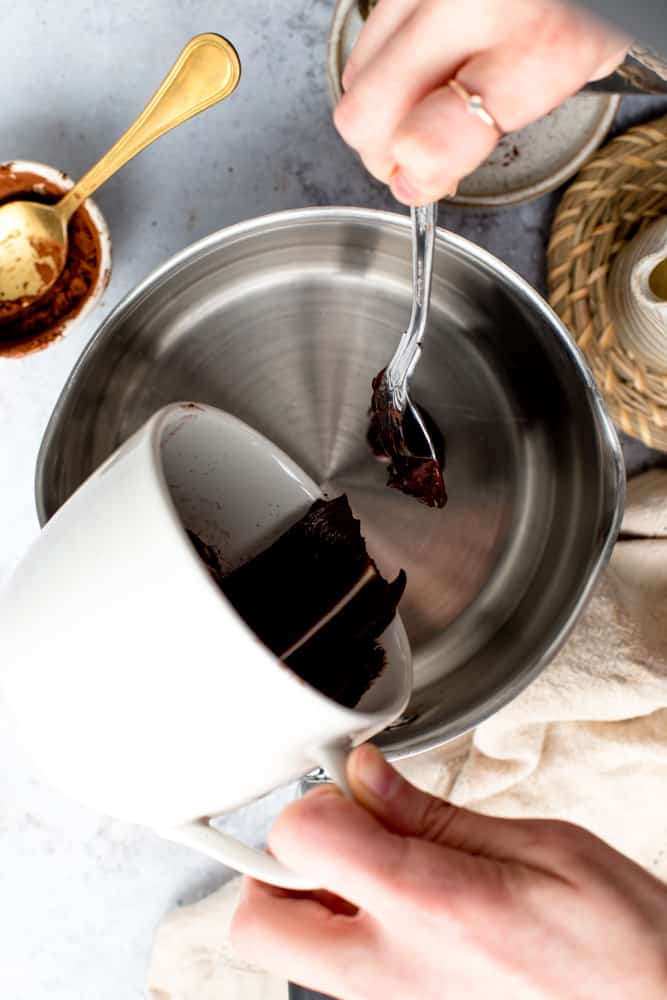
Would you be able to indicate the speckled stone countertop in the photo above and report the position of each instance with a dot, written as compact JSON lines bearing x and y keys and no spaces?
{"x":81,"y":895}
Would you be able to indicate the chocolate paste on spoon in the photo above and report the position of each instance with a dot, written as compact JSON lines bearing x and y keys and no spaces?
{"x":415,"y":476}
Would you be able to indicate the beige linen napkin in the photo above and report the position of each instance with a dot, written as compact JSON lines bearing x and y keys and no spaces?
{"x":586,"y":742}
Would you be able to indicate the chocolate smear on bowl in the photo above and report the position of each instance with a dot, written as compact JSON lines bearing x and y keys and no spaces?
{"x":422,"y":478}
{"x":295,"y":583}
{"x":42,"y":320}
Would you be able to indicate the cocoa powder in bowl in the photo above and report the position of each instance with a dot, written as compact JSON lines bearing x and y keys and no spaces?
{"x":43,"y":321}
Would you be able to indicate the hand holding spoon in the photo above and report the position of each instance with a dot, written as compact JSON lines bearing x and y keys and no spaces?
{"x":33,"y":237}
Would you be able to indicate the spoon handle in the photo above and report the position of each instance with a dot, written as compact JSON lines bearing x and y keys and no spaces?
{"x":207,"y":70}
{"x":424,"y":219}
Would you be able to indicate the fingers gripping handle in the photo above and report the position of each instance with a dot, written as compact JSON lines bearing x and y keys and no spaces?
{"x":223,"y":847}
{"x":229,"y":851}
{"x":334,"y":761}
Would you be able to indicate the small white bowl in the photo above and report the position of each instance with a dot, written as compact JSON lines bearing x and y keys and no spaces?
{"x":37,"y":342}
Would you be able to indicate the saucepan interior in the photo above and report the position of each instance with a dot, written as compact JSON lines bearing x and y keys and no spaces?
{"x":283,"y":321}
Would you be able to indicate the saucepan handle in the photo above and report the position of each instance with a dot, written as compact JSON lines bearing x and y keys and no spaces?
{"x":643,"y":72}
{"x":295,"y":992}
{"x":337,"y":770}
{"x":223,"y":847}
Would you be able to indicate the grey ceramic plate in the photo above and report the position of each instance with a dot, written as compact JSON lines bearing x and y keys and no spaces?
{"x":525,"y":164}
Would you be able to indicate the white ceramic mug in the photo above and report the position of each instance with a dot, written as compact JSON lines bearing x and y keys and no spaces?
{"x":135,"y":685}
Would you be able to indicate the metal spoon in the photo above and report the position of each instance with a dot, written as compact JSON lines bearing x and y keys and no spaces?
{"x":33,"y":237}
{"x":400,"y":428}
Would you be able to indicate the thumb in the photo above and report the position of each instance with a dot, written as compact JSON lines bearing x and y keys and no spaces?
{"x":405,"y":809}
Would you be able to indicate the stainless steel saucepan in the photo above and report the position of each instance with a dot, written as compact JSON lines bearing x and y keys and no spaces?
{"x":284,"y":321}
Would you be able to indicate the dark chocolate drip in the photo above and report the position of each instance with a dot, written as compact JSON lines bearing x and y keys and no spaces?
{"x":419,"y":477}
{"x":296,"y":581}
{"x":343,"y":659}
{"x":208,"y":555}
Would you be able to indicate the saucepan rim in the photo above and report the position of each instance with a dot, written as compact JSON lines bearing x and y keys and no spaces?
{"x":612,"y":489}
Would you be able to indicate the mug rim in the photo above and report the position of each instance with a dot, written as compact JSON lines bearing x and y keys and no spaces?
{"x":155,"y":429}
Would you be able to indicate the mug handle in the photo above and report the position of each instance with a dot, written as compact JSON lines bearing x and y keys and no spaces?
{"x":223,"y":847}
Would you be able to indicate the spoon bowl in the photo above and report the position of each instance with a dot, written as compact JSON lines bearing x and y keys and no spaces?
{"x":33,"y":251}
{"x":411,"y":442}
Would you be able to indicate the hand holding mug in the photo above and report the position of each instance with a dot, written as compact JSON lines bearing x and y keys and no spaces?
{"x":424,"y":900}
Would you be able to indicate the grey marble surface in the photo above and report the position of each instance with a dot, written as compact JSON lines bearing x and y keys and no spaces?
{"x":80,"y":895}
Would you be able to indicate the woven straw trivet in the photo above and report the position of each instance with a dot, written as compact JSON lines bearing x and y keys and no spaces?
{"x":622,"y":189}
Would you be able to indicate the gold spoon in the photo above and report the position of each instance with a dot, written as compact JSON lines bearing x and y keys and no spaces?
{"x":33,"y":237}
